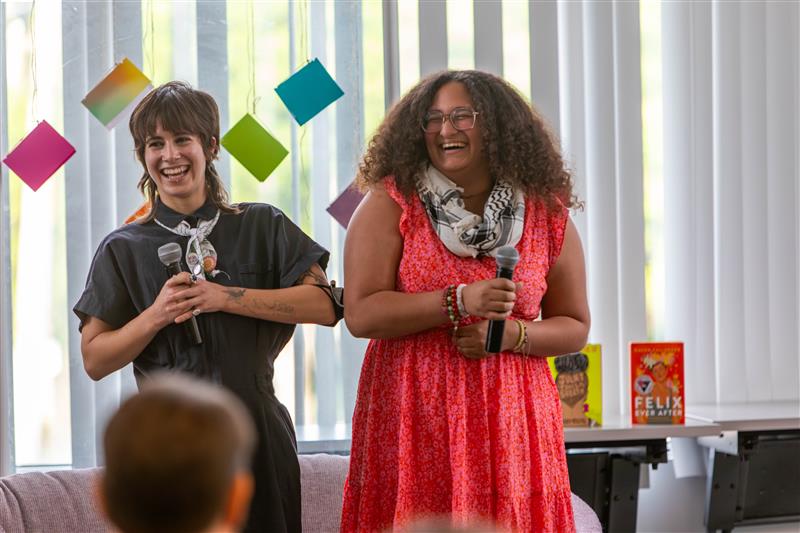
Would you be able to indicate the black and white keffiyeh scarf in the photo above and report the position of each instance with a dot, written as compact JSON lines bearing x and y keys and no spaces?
{"x":464,"y":233}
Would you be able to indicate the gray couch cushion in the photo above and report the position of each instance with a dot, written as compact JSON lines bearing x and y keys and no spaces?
{"x":64,"y":501}
{"x":586,"y":520}
{"x":50,"y":502}
{"x":322,"y":483}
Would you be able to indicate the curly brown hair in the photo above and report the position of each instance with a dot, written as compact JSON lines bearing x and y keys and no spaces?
{"x":517,"y":143}
{"x":179,"y":108}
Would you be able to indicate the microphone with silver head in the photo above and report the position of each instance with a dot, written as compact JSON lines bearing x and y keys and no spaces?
{"x":507,"y":258}
{"x":170,"y":256}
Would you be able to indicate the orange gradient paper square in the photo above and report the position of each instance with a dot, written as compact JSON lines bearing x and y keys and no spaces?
{"x":117,"y":93}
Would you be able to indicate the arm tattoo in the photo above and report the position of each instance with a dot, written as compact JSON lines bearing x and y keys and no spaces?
{"x":275,"y":307}
{"x":313,"y":275}
{"x":280,"y":307}
{"x":235,"y":294}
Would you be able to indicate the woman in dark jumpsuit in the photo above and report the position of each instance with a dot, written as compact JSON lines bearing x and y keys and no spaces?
{"x":256,"y":275}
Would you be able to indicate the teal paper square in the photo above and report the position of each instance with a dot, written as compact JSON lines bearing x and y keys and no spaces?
{"x":308,"y":91}
{"x":252,"y":145}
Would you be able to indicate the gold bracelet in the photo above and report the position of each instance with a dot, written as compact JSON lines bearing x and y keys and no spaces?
{"x":523,"y":336}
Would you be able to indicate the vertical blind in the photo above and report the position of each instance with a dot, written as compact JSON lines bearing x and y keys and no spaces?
{"x":7,"y":455}
{"x":730,"y":175}
{"x":730,"y":195}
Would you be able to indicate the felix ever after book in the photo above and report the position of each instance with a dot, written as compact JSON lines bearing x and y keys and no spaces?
{"x":657,"y":387}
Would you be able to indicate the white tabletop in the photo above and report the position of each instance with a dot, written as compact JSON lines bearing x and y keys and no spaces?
{"x":617,"y":428}
{"x":753,"y":416}
{"x":311,"y":438}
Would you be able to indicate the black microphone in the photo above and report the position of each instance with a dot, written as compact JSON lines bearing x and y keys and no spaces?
{"x":170,"y":256}
{"x":507,"y":258}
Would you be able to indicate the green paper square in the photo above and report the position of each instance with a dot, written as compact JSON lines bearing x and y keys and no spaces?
{"x":252,"y":145}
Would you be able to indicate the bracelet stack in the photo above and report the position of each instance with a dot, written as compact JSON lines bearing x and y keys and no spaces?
{"x":450,"y":304}
{"x":522,"y":340}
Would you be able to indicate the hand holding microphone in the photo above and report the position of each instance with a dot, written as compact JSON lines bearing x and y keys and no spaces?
{"x":492,"y":299}
{"x":170,"y":256}
{"x":507,"y":258}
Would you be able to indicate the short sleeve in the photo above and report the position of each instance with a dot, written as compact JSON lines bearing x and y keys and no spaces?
{"x":106,"y":296}
{"x":395,"y":194}
{"x":557,"y":218}
{"x":294,"y":252}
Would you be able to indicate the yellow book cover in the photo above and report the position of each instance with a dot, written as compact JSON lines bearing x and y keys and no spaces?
{"x":579,"y":379}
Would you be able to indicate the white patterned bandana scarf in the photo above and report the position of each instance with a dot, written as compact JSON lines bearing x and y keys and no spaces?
{"x":464,"y":233}
{"x":201,"y":257}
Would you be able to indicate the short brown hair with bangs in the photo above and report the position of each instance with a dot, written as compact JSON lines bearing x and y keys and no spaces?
{"x":517,"y":142}
{"x":180,"y":109}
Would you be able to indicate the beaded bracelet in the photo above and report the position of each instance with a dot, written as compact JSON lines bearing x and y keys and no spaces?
{"x":444,"y":300}
{"x":450,"y":305}
{"x":522,"y":340}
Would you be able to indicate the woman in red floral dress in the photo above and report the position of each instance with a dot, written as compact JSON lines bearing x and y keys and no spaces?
{"x":460,"y":167}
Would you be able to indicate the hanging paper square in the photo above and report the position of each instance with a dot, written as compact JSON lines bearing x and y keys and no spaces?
{"x":39,"y":155}
{"x":308,"y":91}
{"x":343,"y":207}
{"x":252,"y":145}
{"x":141,"y":212}
{"x":117,"y":94}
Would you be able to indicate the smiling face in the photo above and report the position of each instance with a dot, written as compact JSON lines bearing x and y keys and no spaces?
{"x":177,"y":164}
{"x":457,"y":154}
{"x":659,"y":371}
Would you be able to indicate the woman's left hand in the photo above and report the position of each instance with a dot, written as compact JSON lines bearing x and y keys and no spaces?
{"x":205,"y":297}
{"x":470,"y":340}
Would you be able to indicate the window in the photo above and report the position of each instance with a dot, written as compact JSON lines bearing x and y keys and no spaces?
{"x":593,"y":69}
{"x":38,"y":246}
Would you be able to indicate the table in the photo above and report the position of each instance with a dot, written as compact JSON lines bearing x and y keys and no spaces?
{"x":605,"y":462}
{"x":754,"y":464}
{"x":759,"y":416}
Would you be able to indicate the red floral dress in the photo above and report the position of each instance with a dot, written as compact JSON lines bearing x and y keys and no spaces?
{"x":435,"y":433}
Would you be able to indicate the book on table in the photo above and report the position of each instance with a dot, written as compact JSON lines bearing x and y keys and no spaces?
{"x":657,"y":383}
{"x":579,"y":379}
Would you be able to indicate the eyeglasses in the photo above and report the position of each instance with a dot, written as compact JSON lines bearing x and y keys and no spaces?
{"x":462,"y":119}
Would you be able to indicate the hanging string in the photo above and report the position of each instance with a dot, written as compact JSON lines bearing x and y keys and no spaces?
{"x":153,"y":38}
{"x":251,"y":57}
{"x":303,"y":8}
{"x":31,"y":25}
{"x":303,"y":57}
{"x":149,"y":40}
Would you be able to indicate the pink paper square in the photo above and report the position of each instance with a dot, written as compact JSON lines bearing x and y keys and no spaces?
{"x":343,"y":207}
{"x":39,"y":155}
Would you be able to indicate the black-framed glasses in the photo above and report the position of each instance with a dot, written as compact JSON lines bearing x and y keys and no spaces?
{"x":462,"y":119}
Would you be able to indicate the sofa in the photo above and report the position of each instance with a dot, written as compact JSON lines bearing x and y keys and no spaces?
{"x":63,"y":501}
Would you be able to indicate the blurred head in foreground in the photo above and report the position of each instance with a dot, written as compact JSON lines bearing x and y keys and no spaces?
{"x":178,"y":459}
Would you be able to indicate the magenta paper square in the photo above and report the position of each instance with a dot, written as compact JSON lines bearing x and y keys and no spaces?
{"x":39,"y":155}
{"x":343,"y":207}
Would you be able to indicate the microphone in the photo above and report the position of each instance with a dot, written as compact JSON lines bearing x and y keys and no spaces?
{"x":507,"y":258}
{"x":170,"y":256}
